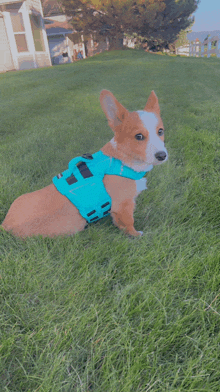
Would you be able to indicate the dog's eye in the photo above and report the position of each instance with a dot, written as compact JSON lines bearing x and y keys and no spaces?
{"x":139,"y":136}
{"x":160,"y":132}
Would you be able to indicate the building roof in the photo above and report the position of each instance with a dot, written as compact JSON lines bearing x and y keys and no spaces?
{"x":57,"y":28}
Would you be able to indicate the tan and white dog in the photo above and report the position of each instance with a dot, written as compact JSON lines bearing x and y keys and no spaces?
{"x":138,"y":142}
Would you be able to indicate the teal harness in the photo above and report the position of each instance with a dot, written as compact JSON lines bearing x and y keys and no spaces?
{"x":82,"y":183}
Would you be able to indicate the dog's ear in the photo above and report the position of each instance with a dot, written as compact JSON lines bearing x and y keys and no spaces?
{"x":113,"y":110}
{"x":152,"y":104}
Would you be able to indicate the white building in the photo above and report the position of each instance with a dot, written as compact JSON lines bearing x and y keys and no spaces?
{"x":23,"y":38}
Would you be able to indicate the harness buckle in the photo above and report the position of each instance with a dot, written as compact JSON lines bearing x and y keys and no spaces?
{"x":87,"y":155}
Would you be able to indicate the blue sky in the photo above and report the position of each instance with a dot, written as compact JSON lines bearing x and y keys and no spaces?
{"x":207,"y":16}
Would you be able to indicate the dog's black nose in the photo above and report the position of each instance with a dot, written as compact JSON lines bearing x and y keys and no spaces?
{"x":160,"y":155}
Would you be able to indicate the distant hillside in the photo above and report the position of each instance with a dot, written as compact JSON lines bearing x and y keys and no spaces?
{"x":201,"y":35}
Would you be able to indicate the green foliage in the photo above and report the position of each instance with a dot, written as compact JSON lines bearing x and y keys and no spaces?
{"x":182,"y":39}
{"x":157,"y":21}
{"x":98,"y":311}
{"x":167,"y":25}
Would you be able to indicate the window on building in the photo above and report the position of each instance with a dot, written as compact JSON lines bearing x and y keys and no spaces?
{"x":36,"y":26}
{"x":18,"y":26}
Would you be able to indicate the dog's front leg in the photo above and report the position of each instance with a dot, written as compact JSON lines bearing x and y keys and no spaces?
{"x":122,"y":216}
{"x":123,"y":192}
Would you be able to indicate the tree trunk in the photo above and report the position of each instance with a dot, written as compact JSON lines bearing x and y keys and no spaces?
{"x":116,"y":42}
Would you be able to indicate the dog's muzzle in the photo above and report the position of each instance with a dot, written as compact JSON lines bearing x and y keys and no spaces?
{"x":160,"y":155}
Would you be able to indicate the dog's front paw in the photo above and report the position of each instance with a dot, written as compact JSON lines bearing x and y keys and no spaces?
{"x":135,"y":234}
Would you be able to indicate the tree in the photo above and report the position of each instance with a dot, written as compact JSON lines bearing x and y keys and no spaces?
{"x":158,"y":21}
{"x":182,"y":39}
{"x":108,"y":18}
{"x":52,"y":7}
{"x":168,"y":24}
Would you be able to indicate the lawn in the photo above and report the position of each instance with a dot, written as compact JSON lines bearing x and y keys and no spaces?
{"x":99,"y":311}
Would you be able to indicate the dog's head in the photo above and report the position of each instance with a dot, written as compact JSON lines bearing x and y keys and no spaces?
{"x":139,"y":136}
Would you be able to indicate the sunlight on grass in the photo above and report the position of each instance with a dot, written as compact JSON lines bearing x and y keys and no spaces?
{"x":100,"y":311}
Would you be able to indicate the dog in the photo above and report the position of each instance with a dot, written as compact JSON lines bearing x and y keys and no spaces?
{"x":137,"y":146}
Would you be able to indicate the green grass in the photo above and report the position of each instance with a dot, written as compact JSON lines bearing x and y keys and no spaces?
{"x":99,"y":311}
